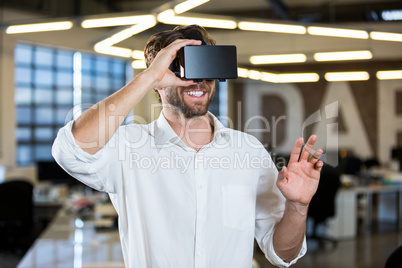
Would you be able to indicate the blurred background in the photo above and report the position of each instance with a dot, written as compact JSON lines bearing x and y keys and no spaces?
{"x":333,"y":68}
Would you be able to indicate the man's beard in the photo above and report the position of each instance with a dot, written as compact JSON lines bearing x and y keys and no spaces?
{"x":197,"y":109}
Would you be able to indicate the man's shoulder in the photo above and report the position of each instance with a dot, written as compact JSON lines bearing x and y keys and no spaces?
{"x":244,"y":140}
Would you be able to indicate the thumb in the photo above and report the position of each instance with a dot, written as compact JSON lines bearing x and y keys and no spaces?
{"x":283,"y":174}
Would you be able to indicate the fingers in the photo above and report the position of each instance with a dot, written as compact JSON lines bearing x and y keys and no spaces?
{"x":316,"y":156}
{"x":294,"y":155}
{"x":184,"y":83}
{"x":282,"y":175}
{"x":318,"y":166}
{"x":179,"y":43}
{"x":159,"y":68}
{"x":308,"y":147}
{"x":315,"y":160}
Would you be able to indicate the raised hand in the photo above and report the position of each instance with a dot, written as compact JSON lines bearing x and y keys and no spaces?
{"x":298,"y":181}
{"x":160,"y":65}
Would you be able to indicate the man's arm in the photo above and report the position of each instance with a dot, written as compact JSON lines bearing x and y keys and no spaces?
{"x":93,"y":129}
{"x":298,"y":183}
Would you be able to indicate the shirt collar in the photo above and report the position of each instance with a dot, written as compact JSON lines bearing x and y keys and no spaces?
{"x":164,"y":134}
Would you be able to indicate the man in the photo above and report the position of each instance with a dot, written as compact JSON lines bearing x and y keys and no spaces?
{"x":189,"y":192}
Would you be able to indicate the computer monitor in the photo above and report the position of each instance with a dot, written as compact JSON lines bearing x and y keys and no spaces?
{"x":51,"y":171}
{"x":396,"y":153}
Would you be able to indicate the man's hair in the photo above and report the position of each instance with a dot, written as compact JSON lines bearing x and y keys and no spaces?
{"x":163,"y":39}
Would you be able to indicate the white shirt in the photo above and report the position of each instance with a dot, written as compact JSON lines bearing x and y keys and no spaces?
{"x":178,"y":207}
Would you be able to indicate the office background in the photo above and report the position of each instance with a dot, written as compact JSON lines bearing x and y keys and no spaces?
{"x":38,"y":74}
{"x":369,"y":112}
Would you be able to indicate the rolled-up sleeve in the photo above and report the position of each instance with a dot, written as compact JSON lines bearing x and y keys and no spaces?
{"x":270,"y":206}
{"x":101,"y":171}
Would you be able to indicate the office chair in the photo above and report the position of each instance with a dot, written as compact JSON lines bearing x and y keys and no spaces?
{"x":322,"y":205}
{"x":16,"y":215}
{"x":395,"y":259}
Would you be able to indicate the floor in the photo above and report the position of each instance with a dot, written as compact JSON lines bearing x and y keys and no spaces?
{"x":368,"y":251}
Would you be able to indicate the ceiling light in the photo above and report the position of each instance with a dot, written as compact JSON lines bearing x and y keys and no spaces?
{"x":387,"y":75}
{"x":386,"y":36}
{"x":343,"y":55}
{"x":117,"y":21}
{"x":297,"y":77}
{"x":103,"y":48}
{"x":122,"y":35}
{"x":168,"y":17}
{"x":138,"y":55}
{"x":39,"y":27}
{"x":280,"y":58}
{"x":272,"y":27}
{"x":165,"y":15}
{"x":241,"y":72}
{"x":139,"y":64}
{"x":346,"y":76}
{"x":187,"y":5}
{"x":127,"y":33}
{"x":256,"y":75}
{"x":337,"y":32}
{"x":269,"y":77}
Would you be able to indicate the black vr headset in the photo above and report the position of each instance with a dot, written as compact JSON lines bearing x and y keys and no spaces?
{"x":205,"y":62}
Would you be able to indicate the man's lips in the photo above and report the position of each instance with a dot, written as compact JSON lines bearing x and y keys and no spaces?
{"x":195,"y":93}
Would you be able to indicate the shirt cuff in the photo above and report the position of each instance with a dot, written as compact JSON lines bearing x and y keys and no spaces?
{"x":72,"y":146}
{"x":275,"y":259}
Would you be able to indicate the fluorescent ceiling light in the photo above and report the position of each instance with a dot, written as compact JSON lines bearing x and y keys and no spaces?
{"x":272,"y":27}
{"x":138,"y":55}
{"x":386,"y":36}
{"x":278,"y":78}
{"x":297,"y":77}
{"x":269,"y":77}
{"x":114,"y":51}
{"x":387,"y":75}
{"x":168,"y":17}
{"x":117,"y":21}
{"x":343,"y":55}
{"x":241,"y":72}
{"x":127,"y":33}
{"x":337,"y":32}
{"x":187,"y":5}
{"x":39,"y":27}
{"x":139,"y":64}
{"x":165,"y":15}
{"x":255,"y":75}
{"x":280,"y":58}
{"x":106,"y":46}
{"x":346,"y":76}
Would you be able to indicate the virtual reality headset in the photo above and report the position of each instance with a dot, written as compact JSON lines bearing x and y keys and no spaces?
{"x":205,"y":62}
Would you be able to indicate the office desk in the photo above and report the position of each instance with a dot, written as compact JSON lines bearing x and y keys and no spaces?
{"x":344,"y":224}
{"x":70,"y":242}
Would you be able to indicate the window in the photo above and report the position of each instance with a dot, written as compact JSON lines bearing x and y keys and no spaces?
{"x":46,"y":91}
{"x":101,"y":77}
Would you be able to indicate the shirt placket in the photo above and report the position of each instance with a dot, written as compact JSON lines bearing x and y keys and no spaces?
{"x":199,"y":260}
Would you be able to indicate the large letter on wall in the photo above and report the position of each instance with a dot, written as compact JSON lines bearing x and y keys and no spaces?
{"x":294,"y":111}
{"x":356,"y":137}
{"x":389,"y":121}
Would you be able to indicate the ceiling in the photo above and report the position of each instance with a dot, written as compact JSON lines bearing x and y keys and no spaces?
{"x":359,"y":14}
{"x":324,"y":11}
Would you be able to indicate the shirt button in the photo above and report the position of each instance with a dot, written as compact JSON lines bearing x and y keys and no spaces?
{"x":200,"y":187}
{"x":199,"y":253}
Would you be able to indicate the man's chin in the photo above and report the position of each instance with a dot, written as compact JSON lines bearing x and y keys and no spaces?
{"x":192,"y":114}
